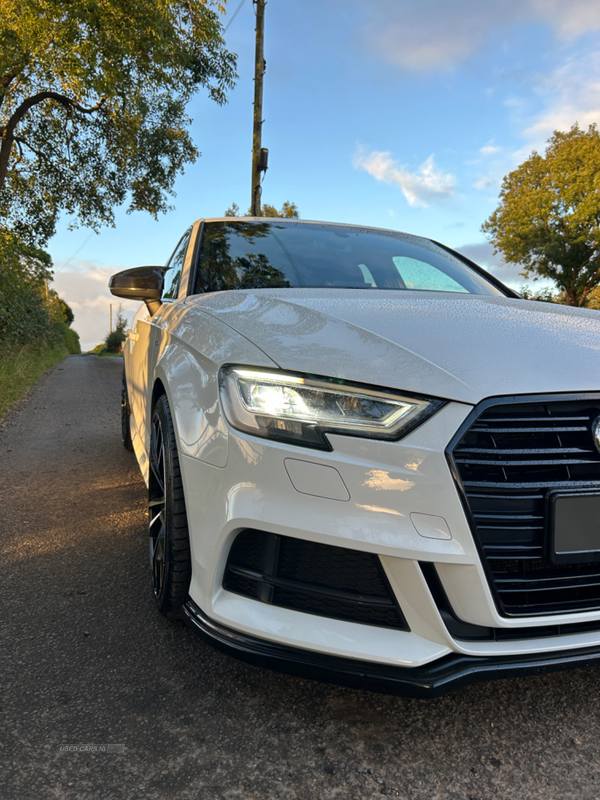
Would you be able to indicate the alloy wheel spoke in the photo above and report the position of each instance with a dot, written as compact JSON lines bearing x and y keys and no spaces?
{"x":159,"y":516}
{"x":158,"y":476}
{"x":157,"y":556}
{"x":157,"y":455}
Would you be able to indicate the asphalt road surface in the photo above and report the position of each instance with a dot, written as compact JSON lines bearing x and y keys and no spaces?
{"x":103,"y":698}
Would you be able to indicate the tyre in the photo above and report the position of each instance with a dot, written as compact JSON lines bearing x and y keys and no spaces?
{"x":169,"y":541}
{"x":125,"y":415}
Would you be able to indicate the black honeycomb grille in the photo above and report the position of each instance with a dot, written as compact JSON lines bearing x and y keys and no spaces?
{"x":510,"y":458}
{"x":313,"y":578}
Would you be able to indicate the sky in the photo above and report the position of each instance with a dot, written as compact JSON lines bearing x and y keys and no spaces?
{"x":402,"y":114}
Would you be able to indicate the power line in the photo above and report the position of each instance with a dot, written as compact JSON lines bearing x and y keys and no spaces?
{"x":79,"y":249}
{"x":234,"y":15}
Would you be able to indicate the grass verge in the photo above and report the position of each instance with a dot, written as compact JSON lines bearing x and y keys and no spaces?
{"x":108,"y":354}
{"x":21,"y":367}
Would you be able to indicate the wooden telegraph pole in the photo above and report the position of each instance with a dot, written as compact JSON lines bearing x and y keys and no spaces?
{"x":258,"y":157}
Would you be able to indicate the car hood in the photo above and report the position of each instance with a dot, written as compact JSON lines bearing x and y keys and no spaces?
{"x":462,"y":348}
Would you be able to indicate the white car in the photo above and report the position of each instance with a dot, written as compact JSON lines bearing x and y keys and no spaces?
{"x":367,"y":460}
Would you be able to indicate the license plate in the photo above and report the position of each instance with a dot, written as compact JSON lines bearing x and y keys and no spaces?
{"x":574,"y":527}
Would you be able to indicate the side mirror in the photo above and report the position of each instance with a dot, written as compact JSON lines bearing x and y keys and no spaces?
{"x":140,"y":283}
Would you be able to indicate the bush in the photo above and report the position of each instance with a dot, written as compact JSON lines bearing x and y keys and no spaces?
{"x":25,"y":316}
{"x":112,"y":343}
{"x":71,"y":338}
{"x":30,"y":314}
{"x":545,"y":295}
{"x":115,"y":338}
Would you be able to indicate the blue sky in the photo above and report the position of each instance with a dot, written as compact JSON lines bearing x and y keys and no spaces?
{"x":394,"y":113}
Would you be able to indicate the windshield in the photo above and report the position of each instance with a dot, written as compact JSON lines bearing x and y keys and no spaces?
{"x":256,"y":255}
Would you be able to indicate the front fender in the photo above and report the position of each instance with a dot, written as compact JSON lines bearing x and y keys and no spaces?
{"x":190,"y":356}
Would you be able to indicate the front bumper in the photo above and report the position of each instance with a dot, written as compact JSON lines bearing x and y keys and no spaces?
{"x":444,"y":675}
{"x":384,"y":487}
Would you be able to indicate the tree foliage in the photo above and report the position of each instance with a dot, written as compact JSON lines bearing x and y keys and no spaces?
{"x":593,"y":299}
{"x":541,"y":295}
{"x":30,"y":314}
{"x":114,"y":339}
{"x":287,"y":211}
{"x":548,"y":218}
{"x":93,"y":97}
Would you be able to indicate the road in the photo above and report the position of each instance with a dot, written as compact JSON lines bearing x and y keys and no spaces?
{"x":87,"y":662}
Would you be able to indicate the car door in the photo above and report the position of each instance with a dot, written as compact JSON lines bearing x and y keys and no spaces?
{"x":141,"y":353}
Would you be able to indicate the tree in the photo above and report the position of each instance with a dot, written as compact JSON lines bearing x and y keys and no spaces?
{"x":67,"y":311}
{"x":93,"y":97}
{"x":593,"y":299}
{"x":114,"y":339}
{"x":545,"y":295}
{"x":548,"y":218}
{"x":30,"y":314}
{"x":287,"y":211}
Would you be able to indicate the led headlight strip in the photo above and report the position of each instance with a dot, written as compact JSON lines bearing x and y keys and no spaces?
{"x":301,"y":409}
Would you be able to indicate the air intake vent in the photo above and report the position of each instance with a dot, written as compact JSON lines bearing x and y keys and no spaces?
{"x":509,"y":459}
{"x":313,"y":578}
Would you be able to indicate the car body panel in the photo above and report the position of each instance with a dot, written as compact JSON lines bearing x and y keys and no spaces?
{"x":454,"y":346}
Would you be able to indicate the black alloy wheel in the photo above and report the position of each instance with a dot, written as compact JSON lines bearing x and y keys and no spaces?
{"x":125,"y":415}
{"x":170,"y":559}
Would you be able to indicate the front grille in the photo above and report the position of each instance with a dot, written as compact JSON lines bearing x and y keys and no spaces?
{"x":511,"y":456}
{"x":313,"y":578}
{"x":467,"y":631}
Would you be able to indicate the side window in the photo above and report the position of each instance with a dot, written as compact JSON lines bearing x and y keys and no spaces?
{"x":172,"y":277}
{"x":421,"y":275}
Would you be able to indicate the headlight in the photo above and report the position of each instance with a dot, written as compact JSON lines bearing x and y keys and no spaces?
{"x":300,"y":409}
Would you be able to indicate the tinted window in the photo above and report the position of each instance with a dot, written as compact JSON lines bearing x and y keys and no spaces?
{"x":252,"y":255}
{"x":172,"y":277}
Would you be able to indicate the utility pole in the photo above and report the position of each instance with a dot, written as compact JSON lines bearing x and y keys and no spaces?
{"x":258,"y":164}
{"x":110,"y":330}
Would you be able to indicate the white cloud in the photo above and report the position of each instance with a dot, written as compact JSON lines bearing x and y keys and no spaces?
{"x":572,"y":94}
{"x":427,"y":184}
{"x":84,"y":286}
{"x":489,"y":150}
{"x":486,"y":182}
{"x":568,"y":94}
{"x":425,"y":36}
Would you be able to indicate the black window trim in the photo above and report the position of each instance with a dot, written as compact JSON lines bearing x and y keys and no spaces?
{"x":195,"y":261}
{"x":167,"y":265}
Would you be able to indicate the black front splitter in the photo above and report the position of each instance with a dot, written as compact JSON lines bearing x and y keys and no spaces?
{"x":444,"y":675}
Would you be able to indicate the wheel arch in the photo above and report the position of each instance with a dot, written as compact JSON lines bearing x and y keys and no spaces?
{"x":190,"y":382}
{"x":157,"y":391}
